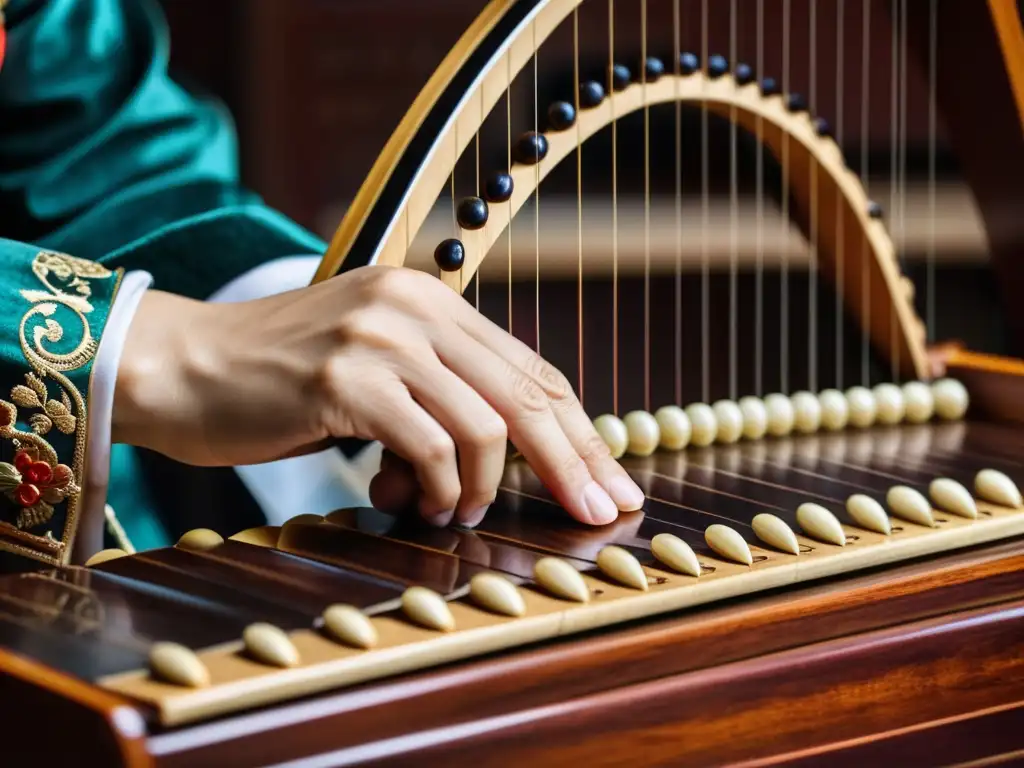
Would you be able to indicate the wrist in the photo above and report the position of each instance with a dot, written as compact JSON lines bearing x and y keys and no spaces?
{"x":148,"y":390}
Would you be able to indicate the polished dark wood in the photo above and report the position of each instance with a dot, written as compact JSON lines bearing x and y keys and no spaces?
{"x":54,"y":719}
{"x":879,"y":623}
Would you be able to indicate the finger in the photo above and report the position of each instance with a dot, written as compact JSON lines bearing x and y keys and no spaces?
{"x":532,"y":426}
{"x":566,"y":406}
{"x":404,"y":427}
{"x":479,"y":432}
{"x":394,"y":488}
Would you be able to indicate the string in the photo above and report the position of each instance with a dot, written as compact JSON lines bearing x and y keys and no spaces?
{"x":894,"y":162}
{"x":864,"y":142}
{"x":679,"y":210}
{"x":933,"y":36}
{"x":759,"y":217}
{"x":476,"y":282}
{"x":615,"y":210}
{"x":455,"y":163}
{"x":455,"y":215}
{"x":840,"y":221}
{"x":812,"y":264}
{"x":536,"y":196}
{"x":579,"y":196}
{"x":508,"y":165}
{"x":647,"y":208}
{"x":705,"y":320}
{"x":784,"y":276}
{"x":902,"y":173}
{"x":733,"y":214}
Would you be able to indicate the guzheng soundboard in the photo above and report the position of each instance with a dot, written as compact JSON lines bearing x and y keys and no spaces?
{"x":215,"y":626}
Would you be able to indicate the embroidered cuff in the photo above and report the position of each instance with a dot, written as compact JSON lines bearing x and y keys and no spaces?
{"x":64,"y":304}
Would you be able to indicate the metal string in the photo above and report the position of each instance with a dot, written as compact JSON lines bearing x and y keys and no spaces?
{"x":840,"y":214}
{"x":579,"y":197}
{"x":647,"y":208}
{"x":759,"y":217}
{"x":705,"y":267}
{"x":536,"y":195}
{"x":902,"y":172}
{"x":933,"y":35}
{"x":812,"y":262}
{"x":476,"y":282}
{"x":508,"y":166}
{"x":864,"y":172}
{"x":784,"y":276}
{"x":678,"y":210}
{"x":615,"y":211}
{"x":894,"y":164}
{"x":733,"y":215}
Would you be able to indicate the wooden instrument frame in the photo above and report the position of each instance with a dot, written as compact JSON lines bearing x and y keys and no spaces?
{"x":852,"y":670}
{"x":906,"y":636}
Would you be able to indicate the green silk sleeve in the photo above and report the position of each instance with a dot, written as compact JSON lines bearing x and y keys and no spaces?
{"x":53,"y":309}
{"x":104,"y":156}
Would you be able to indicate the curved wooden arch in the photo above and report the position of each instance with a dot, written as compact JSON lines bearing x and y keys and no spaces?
{"x":415,"y":165}
{"x":831,"y":201}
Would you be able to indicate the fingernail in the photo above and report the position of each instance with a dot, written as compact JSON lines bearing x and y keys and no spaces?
{"x":473,"y":519}
{"x":599,"y":504}
{"x":627,"y":494}
{"x":441,"y":519}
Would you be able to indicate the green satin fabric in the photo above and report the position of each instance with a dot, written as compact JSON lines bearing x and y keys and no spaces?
{"x":104,"y":157}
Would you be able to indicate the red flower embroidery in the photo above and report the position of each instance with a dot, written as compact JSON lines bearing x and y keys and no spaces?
{"x":35,"y":486}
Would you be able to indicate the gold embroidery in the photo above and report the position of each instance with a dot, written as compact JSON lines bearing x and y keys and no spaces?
{"x":37,"y":481}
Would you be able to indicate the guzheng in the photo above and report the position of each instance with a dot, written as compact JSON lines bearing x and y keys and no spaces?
{"x":828,"y":567}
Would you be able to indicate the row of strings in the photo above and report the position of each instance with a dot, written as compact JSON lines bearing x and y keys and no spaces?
{"x":103,"y":620}
{"x":688,"y":15}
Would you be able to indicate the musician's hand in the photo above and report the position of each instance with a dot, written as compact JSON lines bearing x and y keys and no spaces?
{"x":378,"y":353}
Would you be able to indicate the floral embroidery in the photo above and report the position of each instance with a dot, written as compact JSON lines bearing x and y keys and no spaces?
{"x":50,"y":404}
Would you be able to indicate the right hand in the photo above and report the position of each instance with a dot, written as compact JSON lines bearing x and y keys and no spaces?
{"x":379,"y":353}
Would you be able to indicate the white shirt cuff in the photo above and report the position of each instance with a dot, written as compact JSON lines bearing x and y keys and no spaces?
{"x":285,"y":274}
{"x":318,"y":483}
{"x":101,"y":405}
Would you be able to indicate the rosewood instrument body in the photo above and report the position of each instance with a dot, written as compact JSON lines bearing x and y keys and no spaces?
{"x":855,"y":671}
{"x":901,"y":648}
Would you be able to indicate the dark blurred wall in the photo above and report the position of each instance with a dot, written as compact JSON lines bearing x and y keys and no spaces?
{"x":317,"y":86}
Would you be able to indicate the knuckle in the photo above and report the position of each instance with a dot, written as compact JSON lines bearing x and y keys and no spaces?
{"x":555,"y":385}
{"x":401,"y":285}
{"x":594,"y":448}
{"x":570,"y":465}
{"x":448,"y":497}
{"x":366,"y":329}
{"x":528,"y":394}
{"x":436,"y":450}
{"x":491,"y":433}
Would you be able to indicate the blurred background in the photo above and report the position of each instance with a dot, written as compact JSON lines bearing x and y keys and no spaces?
{"x":317,"y":87}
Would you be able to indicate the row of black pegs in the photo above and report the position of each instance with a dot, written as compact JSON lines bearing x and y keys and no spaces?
{"x":532,"y":146}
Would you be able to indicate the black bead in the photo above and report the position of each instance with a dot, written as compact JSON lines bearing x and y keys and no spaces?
{"x":450,"y":255}
{"x":531,"y":148}
{"x":498,"y":188}
{"x":471,"y":213}
{"x":688,"y":63}
{"x":561,"y":115}
{"x":621,"y":77}
{"x":717,"y":65}
{"x":769,"y":87}
{"x":653,"y":69}
{"x":796,"y":103}
{"x":874,"y":210}
{"x":591,"y":94}
{"x":821,"y":127}
{"x":744,"y":74}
